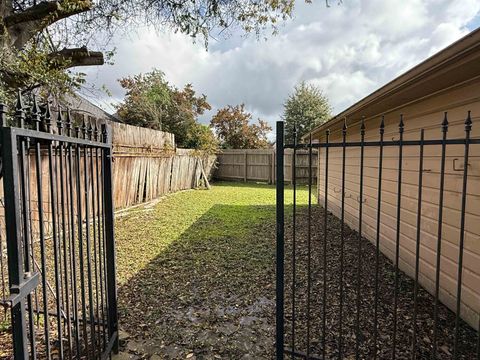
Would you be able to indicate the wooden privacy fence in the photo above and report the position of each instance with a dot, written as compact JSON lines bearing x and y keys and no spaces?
{"x":143,"y":178}
{"x":259,"y":165}
{"x":146,"y":165}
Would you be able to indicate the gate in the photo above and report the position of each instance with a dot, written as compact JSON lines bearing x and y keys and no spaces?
{"x":344,"y":291}
{"x":59,"y":221}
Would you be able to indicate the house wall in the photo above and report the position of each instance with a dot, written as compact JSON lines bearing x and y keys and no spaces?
{"x":426,"y":113}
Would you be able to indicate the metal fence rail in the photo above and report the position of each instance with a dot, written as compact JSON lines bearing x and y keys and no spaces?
{"x":325,"y":307}
{"x":59,"y":235}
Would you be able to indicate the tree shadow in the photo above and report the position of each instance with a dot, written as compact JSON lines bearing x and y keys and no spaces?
{"x":211,"y":292}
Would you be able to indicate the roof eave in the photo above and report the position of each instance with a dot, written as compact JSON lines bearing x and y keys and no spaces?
{"x":450,"y":54}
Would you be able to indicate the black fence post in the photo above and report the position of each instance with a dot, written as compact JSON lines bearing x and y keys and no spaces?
{"x":280,"y":245}
{"x":110,"y":240}
{"x":13,"y":229}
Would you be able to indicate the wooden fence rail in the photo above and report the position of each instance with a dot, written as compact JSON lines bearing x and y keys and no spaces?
{"x":259,"y":165}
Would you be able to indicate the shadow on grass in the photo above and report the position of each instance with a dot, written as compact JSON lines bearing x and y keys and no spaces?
{"x":211,"y":292}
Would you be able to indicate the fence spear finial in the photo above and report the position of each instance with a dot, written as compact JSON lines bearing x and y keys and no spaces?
{"x":362,"y":126}
{"x":104,"y":133}
{"x":90,"y":130}
{"x":401,"y":126}
{"x":19,"y":103}
{"x":47,"y":117}
{"x":68,"y":123}
{"x":36,"y":114}
{"x":19,"y":110}
{"x":382,"y":125}
{"x":60,"y":121}
{"x":445,"y":122}
{"x":468,"y":122}
{"x":84,"y":127}
{"x":95,"y":131}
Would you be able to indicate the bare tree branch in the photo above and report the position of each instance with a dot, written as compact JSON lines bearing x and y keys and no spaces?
{"x":24,"y":25}
{"x":77,"y":57}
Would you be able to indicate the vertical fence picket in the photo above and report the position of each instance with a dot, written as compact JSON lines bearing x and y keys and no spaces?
{"x":377,"y":238}
{"x":342,"y":242}
{"x":439,"y":236}
{"x":309,"y":244}
{"x":359,"y":249}
{"x":280,"y":255}
{"x":56,"y":253}
{"x":73,"y":229}
{"x":325,"y":239}
{"x":397,"y":238}
{"x":94,"y":233}
{"x":417,"y":246}
{"x":3,"y":123}
{"x":14,"y":240}
{"x":110,"y":241}
{"x":468,"y":129}
{"x":27,"y":240}
{"x":88,"y":249}
{"x":294,"y":242}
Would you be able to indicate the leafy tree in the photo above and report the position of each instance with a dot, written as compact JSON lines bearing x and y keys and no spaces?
{"x":201,"y":137}
{"x":184,"y":111}
{"x":306,"y":108}
{"x":233,"y":128}
{"x":146,"y":101}
{"x":152,"y":102}
{"x":41,"y":40}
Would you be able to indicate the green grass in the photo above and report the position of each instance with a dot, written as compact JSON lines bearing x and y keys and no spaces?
{"x":197,"y":266}
{"x":143,"y":235}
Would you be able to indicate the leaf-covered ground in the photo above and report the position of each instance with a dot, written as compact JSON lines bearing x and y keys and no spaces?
{"x":365,"y":308}
{"x":196,"y":273}
{"x":197,"y":276}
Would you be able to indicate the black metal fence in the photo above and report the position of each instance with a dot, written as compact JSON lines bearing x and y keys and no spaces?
{"x":59,"y":222}
{"x":338,"y":296}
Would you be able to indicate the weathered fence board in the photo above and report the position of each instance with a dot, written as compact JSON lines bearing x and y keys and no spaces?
{"x":144,"y":178}
{"x":134,"y":139}
{"x":259,"y":165}
{"x":147,"y":165}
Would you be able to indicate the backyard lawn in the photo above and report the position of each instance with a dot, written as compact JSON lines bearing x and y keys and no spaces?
{"x":196,"y":273}
{"x":197,"y":281}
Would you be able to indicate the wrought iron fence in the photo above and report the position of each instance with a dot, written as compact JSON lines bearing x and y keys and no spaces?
{"x":59,"y":237}
{"x":341,"y":292}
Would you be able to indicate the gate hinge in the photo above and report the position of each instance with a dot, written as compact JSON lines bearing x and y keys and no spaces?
{"x":19,"y":292}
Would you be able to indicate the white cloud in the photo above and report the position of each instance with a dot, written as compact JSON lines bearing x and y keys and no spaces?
{"x":349,"y":50}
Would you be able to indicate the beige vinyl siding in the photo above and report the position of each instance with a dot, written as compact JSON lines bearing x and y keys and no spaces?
{"x":426,"y":114}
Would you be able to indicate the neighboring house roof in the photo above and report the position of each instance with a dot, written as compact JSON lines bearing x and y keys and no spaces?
{"x":458,"y":63}
{"x":79,"y":104}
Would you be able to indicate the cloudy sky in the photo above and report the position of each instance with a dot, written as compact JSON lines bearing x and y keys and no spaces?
{"x":349,"y":50}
